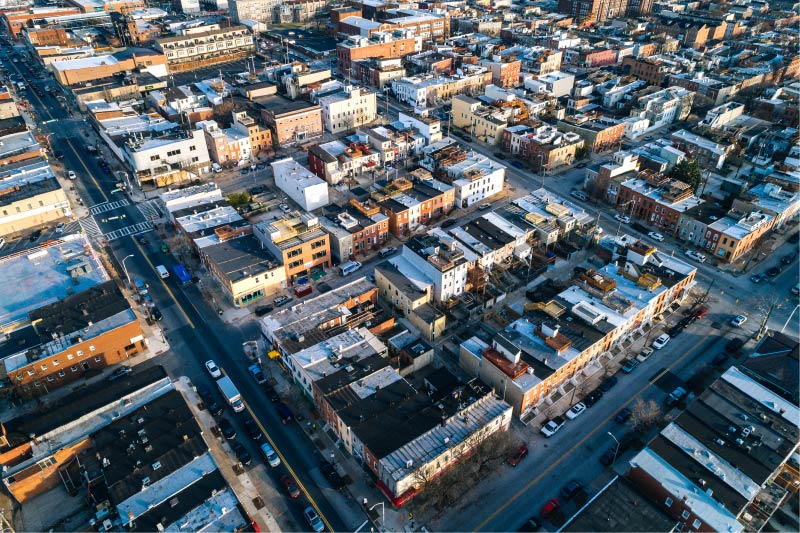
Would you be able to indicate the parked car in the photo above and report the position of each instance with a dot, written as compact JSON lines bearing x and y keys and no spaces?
{"x":313,"y":519}
{"x":550,"y":507}
{"x":697,"y":256}
{"x":156,"y":314}
{"x":788,"y":258}
{"x":257,"y":374}
{"x":794,"y":238}
{"x":121,"y":372}
{"x":675,"y":330}
{"x":500,"y":155}
{"x":285,"y":412}
{"x":530,"y":525}
{"x":608,"y":456}
{"x":71,"y":175}
{"x":60,"y":227}
{"x":757,"y":278}
{"x":35,"y":235}
{"x":213,"y":369}
{"x":290,"y":486}
{"x":516,"y":458}
{"x":280,"y":300}
{"x":241,"y":453}
{"x":593,"y":397}
{"x":262,"y":310}
{"x":210,"y":402}
{"x":552,"y":426}
{"x":517,"y":164}
{"x":655,"y":236}
{"x":738,"y":321}
{"x":774,"y":271}
{"x":700,"y":312}
{"x":227,"y":429}
{"x":608,"y":383}
{"x":253,"y":431}
{"x":629,"y":365}
{"x":572,"y":488}
{"x":332,"y":475}
{"x":625,"y":219}
{"x":623,"y":416}
{"x":576,"y":411}
{"x":644,"y":354}
{"x":484,"y":207}
{"x":269,"y":454}
{"x":661,"y":341}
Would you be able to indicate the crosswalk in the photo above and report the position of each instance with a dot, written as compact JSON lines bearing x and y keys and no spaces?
{"x":108,"y":206}
{"x":90,"y":228}
{"x":149,"y":209}
{"x":141,"y":227}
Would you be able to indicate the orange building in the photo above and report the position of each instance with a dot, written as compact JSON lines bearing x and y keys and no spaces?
{"x":82,"y":333}
{"x":299,"y":243}
{"x":15,"y":21}
{"x":291,"y":121}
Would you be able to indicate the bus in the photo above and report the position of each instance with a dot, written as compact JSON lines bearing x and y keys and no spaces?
{"x":182,"y":273}
{"x":349,"y":267}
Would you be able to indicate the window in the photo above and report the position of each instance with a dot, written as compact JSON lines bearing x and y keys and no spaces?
{"x":74,"y":368}
{"x":685,"y":515}
{"x":97,"y":359}
{"x":55,"y":362}
{"x":668,"y":502}
{"x":50,"y":378}
{"x":44,"y":367}
{"x":31,"y":372}
{"x":696,"y":524}
{"x":155,"y":157}
{"x":70,"y":357}
{"x":62,"y":374}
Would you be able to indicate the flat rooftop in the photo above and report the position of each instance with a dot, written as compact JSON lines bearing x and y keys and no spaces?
{"x":40,"y":276}
{"x":241,"y":257}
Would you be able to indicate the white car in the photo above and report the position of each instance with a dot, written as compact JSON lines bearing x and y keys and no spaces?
{"x":552,"y":426}
{"x":213,"y":369}
{"x":697,"y":256}
{"x":60,"y":227}
{"x":661,"y":341}
{"x":655,"y":236}
{"x":270,"y":455}
{"x":625,"y":219}
{"x":71,"y":175}
{"x":576,"y":411}
{"x":738,"y":321}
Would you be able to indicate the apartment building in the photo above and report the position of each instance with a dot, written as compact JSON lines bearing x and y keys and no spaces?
{"x":291,"y":122}
{"x":394,"y":44}
{"x":349,"y":109}
{"x":772,"y":199}
{"x":302,"y":82}
{"x":161,"y":159}
{"x":205,"y":47}
{"x":80,"y":322}
{"x":719,"y":116}
{"x":439,"y":260}
{"x":563,"y":340}
{"x":426,"y":25}
{"x":334,"y":161}
{"x":368,"y":227}
{"x":555,"y":83}
{"x":15,"y":20}
{"x":96,"y":67}
{"x":429,"y":127}
{"x":652,"y":70}
{"x":30,"y":197}
{"x":377,"y":73}
{"x":306,"y":189}
{"x":299,"y":242}
{"x":487,"y":123}
{"x":735,"y":234}
{"x":396,"y":142}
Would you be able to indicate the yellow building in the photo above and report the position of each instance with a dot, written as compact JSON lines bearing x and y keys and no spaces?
{"x":31,"y":198}
{"x":485,"y":123}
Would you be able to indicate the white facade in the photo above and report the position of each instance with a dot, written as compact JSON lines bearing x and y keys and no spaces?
{"x":160,"y":155}
{"x":430,"y":129}
{"x":448,"y":282}
{"x":348,"y":109}
{"x":306,"y":189}
{"x":555,"y":83}
{"x":409,"y":91}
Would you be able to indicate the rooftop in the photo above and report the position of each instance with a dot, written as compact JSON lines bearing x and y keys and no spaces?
{"x":40,"y":276}
{"x":241,"y":257}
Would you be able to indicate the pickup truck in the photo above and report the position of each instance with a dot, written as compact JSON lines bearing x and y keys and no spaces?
{"x":257,"y":374}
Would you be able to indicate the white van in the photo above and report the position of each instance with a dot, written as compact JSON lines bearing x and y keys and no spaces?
{"x":162,"y":271}
{"x":216,"y":168}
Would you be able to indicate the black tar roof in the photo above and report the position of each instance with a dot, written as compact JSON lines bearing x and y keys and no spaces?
{"x":152,"y":442}
{"x":279,"y":105}
{"x":181,"y":503}
{"x":488,"y":233}
{"x":73,"y":406}
{"x":29,"y":190}
{"x":236,"y":256}
{"x":775,"y":364}
{"x":75,"y":312}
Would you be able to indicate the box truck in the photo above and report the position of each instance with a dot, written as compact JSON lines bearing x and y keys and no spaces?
{"x":231,"y":394}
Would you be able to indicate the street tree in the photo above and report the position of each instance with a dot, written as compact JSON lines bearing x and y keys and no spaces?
{"x":645,"y":415}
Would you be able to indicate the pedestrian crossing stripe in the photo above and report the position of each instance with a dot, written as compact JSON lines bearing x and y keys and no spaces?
{"x":107,"y":206}
{"x":135,"y":229}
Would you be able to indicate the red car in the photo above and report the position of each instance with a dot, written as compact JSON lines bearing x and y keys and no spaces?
{"x":701,"y":312}
{"x":291,"y":487}
{"x":550,"y":507}
{"x":516,"y":458}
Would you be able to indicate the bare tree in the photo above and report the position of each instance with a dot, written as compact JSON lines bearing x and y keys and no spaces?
{"x":495,"y":448}
{"x":644,"y":415}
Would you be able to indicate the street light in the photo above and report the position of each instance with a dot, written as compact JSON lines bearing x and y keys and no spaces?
{"x":616,"y":449}
{"x":790,"y":318}
{"x":127,"y":276}
{"x":383,"y":513}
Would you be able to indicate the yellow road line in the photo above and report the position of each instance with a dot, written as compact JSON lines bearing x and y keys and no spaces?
{"x":285,"y":462}
{"x":547,"y":470}
{"x":169,"y":291}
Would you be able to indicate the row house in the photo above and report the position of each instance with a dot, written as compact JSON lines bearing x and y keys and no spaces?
{"x":299,"y":243}
{"x":348,"y":109}
{"x":367,"y":225}
{"x":736,"y":234}
{"x":484,"y":122}
{"x":708,"y":153}
{"x":474,"y":176}
{"x":206,"y":47}
{"x":430,"y":90}
{"x":334,"y":161}
{"x":377,"y":73}
{"x":395,"y":143}
{"x":411,"y":204}
{"x":657,"y":110}
{"x":291,"y":122}
{"x":657,"y":200}
{"x":544,"y":146}
{"x":652,"y":70}
{"x":600,"y":133}
{"x":505,"y":71}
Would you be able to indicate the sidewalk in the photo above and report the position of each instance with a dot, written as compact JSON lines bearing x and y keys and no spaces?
{"x":242,"y":484}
